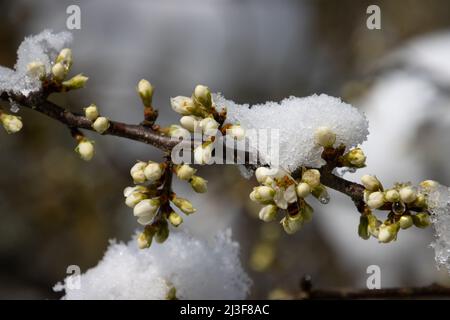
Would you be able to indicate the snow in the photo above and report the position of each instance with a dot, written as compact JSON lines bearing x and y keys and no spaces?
{"x":297,"y":119}
{"x":197,"y":269}
{"x":439,"y":205}
{"x":42,"y":48}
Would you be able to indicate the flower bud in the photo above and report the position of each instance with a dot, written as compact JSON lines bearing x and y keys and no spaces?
{"x":311,"y":177}
{"x":191,"y":123}
{"x":307,"y":212}
{"x":179,"y":132}
{"x":12,"y":124}
{"x":421,"y":201}
{"x":429,"y":184}
{"x":392,"y":195}
{"x":146,"y":210}
{"x":268,"y":213}
{"x":290,"y":195}
{"x":371,"y":183}
{"x":153,"y":172}
{"x":198,"y":184}
{"x":184,"y":172}
{"x":77,"y":82}
{"x":184,"y":205}
{"x":262,"y":194}
{"x":203,"y":153}
{"x":203,"y":95}
{"x":59,"y":72}
{"x":91,"y":112}
{"x":145,"y":90}
{"x":236,"y":132}
{"x":388,"y":233}
{"x":421,"y":220}
{"x":356,"y":158}
{"x":263,"y":173}
{"x":209,"y":126}
{"x":85,"y":149}
{"x":375,"y":200}
{"x":137,"y":172}
{"x":133,"y":199}
{"x":303,"y":190}
{"x":175,"y":219}
{"x":36,"y":70}
{"x":101,"y":124}
{"x":408,"y":194}
{"x":324,"y":137}
{"x":144,"y":240}
{"x":182,"y":105}
{"x":163,"y":233}
{"x":291,"y":224}
{"x":128,"y":191}
{"x":65,"y":58}
{"x":406,"y":221}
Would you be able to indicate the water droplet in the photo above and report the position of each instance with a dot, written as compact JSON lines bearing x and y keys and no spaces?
{"x":398,"y":208}
{"x":324,"y":197}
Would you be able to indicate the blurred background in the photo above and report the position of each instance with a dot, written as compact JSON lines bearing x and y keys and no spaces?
{"x":56,"y":210}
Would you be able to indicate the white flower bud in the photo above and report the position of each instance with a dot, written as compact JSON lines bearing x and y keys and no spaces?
{"x":137,"y":172}
{"x":392,"y":195}
{"x":153,"y":172}
{"x":203,"y":153}
{"x":371,"y":183}
{"x":263,"y":173}
{"x":262,"y":194}
{"x":268,"y":213}
{"x":12,"y":124}
{"x":408,"y":194}
{"x":387,"y":233}
{"x":290,"y":195}
{"x":191,"y":123}
{"x":130,"y":190}
{"x":144,"y":240}
{"x":324,"y":137}
{"x":406,"y":221}
{"x":184,"y":205}
{"x":65,"y":57}
{"x":36,"y":69}
{"x":175,"y":219}
{"x":236,"y":132}
{"x":185,"y":172}
{"x":199,"y":184}
{"x":303,"y":190}
{"x":182,"y":105}
{"x":356,"y":157}
{"x":91,"y":112}
{"x":85,"y":149}
{"x":146,"y":209}
{"x":133,"y":199}
{"x":375,"y":200}
{"x":421,"y":220}
{"x":209,"y":126}
{"x":429,"y":184}
{"x":179,"y":132}
{"x":291,"y":224}
{"x":203,"y":95}
{"x":145,"y":90}
{"x":101,"y":124}
{"x":59,"y":72}
{"x":77,"y":82}
{"x":311,"y":177}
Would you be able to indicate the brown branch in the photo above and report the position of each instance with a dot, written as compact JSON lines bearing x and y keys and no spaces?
{"x":431,"y":291}
{"x":151,"y":136}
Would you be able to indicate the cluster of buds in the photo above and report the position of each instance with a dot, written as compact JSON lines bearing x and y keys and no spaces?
{"x":280,"y":192}
{"x":151,"y":199}
{"x":60,"y":70}
{"x":11,"y":123}
{"x":406,"y":204}
{"x":199,"y":115}
{"x":99,"y":124}
{"x":187,"y":173}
